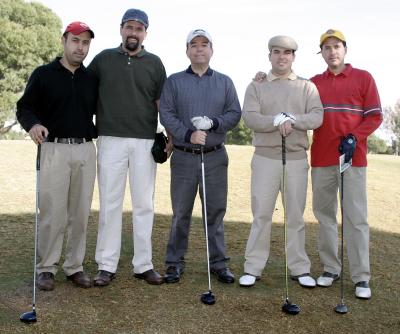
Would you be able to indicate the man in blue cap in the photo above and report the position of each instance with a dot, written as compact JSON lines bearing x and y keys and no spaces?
{"x":130,"y":83}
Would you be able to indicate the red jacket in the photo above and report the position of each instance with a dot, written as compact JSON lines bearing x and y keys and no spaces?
{"x":351,"y":105}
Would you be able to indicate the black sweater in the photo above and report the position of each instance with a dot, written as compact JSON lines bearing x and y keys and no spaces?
{"x":62,"y":101}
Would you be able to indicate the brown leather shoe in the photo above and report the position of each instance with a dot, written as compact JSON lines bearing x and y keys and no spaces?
{"x":80,"y":279}
{"x":45,"y":281}
{"x":151,"y":277}
{"x":103,"y":278}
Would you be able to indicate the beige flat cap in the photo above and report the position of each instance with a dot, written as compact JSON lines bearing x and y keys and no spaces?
{"x":280,"y":41}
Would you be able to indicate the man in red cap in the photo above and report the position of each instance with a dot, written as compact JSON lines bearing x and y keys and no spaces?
{"x":57,"y":109}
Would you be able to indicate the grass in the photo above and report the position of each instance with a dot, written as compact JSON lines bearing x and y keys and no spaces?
{"x":132,"y":306}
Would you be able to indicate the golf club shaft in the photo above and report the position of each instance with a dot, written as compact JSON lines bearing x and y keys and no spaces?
{"x":36,"y":223}
{"x":284,"y":211}
{"x":342,"y":235}
{"x":205,"y":215}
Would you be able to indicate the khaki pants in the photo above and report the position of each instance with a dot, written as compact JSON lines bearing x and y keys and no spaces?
{"x":325,"y":184}
{"x":67,"y":175}
{"x":266,"y":182}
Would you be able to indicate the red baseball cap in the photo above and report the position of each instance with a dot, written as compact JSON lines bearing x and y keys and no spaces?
{"x":77,"y":28}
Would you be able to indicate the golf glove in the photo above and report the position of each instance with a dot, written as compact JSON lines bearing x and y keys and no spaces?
{"x":283,"y":117}
{"x":347,"y":147}
{"x":202,"y":123}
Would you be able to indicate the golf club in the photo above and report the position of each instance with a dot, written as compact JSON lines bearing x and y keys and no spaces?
{"x":29,"y":317}
{"x":207,"y":298}
{"x":341,"y":307}
{"x":287,"y":307}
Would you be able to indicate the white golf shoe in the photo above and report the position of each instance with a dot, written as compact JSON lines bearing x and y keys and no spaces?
{"x":248,"y":280}
{"x":327,"y":279}
{"x":305,"y":280}
{"x":363,"y":290}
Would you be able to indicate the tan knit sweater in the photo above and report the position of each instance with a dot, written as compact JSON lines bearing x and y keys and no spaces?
{"x":264,"y":100}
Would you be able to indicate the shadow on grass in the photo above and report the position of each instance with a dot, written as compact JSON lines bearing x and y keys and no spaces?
{"x":132,"y":306}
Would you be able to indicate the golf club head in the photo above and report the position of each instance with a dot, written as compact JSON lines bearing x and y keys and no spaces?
{"x":341,"y":308}
{"x":290,"y":308}
{"x":208,"y":298}
{"x":28,"y":317}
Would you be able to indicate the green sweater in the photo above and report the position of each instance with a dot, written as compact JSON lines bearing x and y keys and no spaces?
{"x":129,"y":87}
{"x":264,"y":100}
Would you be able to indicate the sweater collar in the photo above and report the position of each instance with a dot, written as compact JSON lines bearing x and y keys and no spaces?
{"x":141,"y":53}
{"x":346,"y":72}
{"x":209,"y":71}
{"x":272,"y":77}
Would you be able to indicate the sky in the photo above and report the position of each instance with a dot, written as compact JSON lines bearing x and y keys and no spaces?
{"x":241,"y":30}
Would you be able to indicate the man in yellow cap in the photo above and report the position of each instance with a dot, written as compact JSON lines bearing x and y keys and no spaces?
{"x":283,"y":105}
{"x":352,"y":112}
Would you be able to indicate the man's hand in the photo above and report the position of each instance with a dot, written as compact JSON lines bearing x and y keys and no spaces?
{"x":198,"y":137}
{"x":285,"y":128}
{"x":348,"y":146}
{"x":202,"y":123}
{"x":38,"y":133}
{"x":283,"y":117}
{"x":169,"y":146}
{"x":260,"y":76}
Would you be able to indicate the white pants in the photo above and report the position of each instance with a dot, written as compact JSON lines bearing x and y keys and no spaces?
{"x":117,"y":156}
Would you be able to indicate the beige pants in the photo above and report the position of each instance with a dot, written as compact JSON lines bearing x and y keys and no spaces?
{"x":266,"y":182}
{"x":325,"y":184}
{"x":67,"y":174}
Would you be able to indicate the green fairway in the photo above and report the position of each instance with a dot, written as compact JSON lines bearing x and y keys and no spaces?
{"x":129,"y":305}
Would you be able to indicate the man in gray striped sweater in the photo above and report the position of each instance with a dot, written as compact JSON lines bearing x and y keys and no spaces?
{"x":197,"y":107}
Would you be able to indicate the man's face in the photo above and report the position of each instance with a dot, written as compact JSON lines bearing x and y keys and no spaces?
{"x":333,"y":51}
{"x":133,"y":34}
{"x":199,"y":51}
{"x":76,"y":47}
{"x":281,"y":60}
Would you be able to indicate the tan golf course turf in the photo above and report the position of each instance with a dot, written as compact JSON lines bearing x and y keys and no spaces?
{"x":129,"y":305}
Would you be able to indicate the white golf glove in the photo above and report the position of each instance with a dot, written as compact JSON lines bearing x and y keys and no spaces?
{"x":283,"y":117}
{"x":202,"y":123}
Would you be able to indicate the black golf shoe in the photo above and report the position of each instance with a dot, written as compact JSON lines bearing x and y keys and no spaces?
{"x":173,"y":274}
{"x":103,"y":278}
{"x":224,"y":275}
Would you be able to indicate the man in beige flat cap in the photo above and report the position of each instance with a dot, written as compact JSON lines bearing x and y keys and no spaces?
{"x":282,"y":105}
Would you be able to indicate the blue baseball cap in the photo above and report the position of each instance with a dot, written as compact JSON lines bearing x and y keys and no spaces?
{"x":138,"y":15}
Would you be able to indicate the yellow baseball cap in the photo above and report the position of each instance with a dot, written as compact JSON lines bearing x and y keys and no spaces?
{"x":331,"y":33}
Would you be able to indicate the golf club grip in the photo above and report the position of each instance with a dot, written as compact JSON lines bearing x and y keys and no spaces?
{"x":283,"y":150}
{"x":39,"y":148}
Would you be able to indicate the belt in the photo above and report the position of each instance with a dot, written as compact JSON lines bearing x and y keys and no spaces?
{"x":198,"y":150}
{"x":67,"y":140}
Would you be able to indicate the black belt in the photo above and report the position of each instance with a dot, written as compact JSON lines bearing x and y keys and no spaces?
{"x":198,"y":150}
{"x":67,"y":140}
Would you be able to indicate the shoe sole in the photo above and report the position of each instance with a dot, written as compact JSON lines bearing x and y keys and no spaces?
{"x":303,"y":285}
{"x":363,"y":298}
{"x":79,"y":285}
{"x":103,"y":283}
{"x":226,"y":282}
{"x":327,"y":286}
{"x":168,"y":281}
{"x":41,"y":288}
{"x":138,"y":276}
